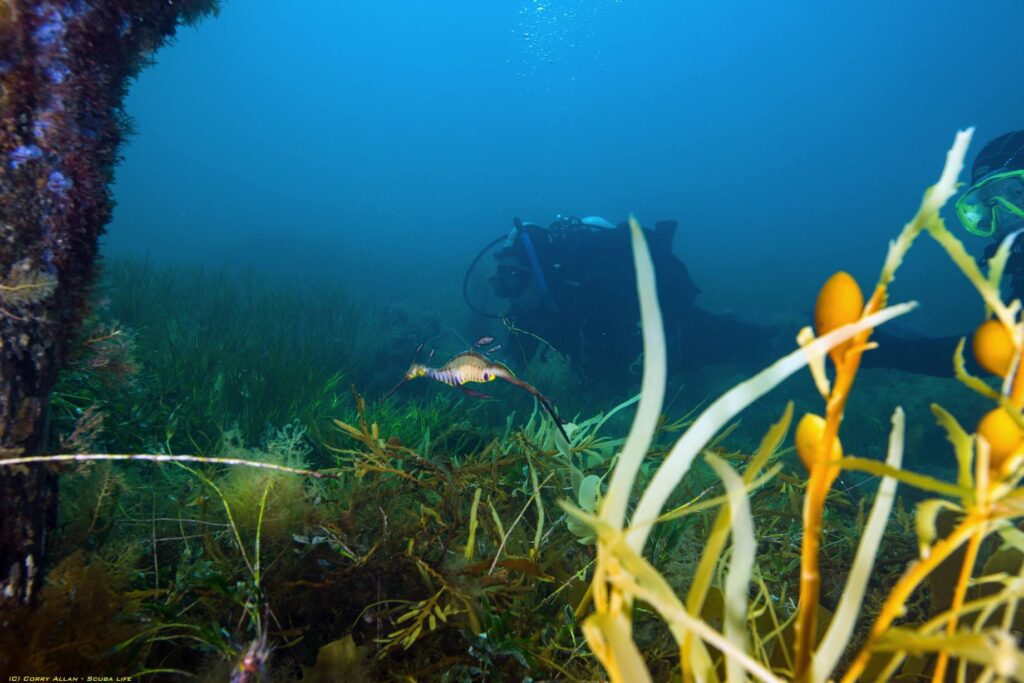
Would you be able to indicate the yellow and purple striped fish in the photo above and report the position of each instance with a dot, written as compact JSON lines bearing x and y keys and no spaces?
{"x":470,"y":367}
{"x":465,"y":368}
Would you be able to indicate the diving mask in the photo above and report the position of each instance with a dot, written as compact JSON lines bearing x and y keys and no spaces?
{"x":993,"y":203}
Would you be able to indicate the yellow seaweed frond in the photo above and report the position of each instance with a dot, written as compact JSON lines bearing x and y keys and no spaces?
{"x":471,"y":541}
{"x":927,"y":215}
{"x":717,"y":536}
{"x":993,"y":648}
{"x":988,"y":290}
{"x":840,"y":630}
{"x":616,"y":580}
{"x":742,"y":564}
{"x":652,"y":391}
{"x":988,"y":498}
{"x":724,"y":410}
{"x":966,"y":378}
{"x":963,"y":446}
{"x":997,"y":264}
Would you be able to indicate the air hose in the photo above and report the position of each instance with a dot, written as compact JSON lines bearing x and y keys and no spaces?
{"x":535,"y":268}
{"x":469,"y":272}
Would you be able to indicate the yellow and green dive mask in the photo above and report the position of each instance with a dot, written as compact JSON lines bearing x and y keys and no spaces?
{"x":993,"y":203}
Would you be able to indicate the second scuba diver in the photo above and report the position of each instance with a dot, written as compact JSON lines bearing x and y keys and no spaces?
{"x":994,"y":204}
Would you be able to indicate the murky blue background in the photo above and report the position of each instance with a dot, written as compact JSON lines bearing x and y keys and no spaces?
{"x":383,"y":143}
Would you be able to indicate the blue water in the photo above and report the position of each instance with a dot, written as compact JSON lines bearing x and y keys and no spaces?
{"x":383,"y":143}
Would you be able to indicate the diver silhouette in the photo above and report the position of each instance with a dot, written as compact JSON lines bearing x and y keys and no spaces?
{"x":572,"y":286}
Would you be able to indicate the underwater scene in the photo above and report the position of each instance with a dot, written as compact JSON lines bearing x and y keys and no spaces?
{"x":523,"y":340}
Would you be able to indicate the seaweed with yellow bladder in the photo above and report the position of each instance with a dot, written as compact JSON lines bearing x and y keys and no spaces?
{"x":987,"y":494}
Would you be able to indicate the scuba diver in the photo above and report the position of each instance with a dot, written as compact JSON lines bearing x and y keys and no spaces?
{"x":572,"y":286}
{"x":993,"y":206}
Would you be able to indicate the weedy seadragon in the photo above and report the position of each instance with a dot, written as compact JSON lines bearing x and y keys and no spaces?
{"x":471,"y":367}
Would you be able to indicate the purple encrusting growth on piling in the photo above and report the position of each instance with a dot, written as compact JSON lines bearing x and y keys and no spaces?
{"x":23,"y":153}
{"x":51,"y":29}
{"x":58,"y":183}
{"x":40,"y":127}
{"x":57,"y":72}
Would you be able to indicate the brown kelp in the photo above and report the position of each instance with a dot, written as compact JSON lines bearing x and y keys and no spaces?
{"x":986,"y":497}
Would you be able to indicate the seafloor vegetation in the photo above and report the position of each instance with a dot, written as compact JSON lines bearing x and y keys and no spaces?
{"x":427,"y":537}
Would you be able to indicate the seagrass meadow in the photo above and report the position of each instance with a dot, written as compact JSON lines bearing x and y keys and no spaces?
{"x":237,"y":501}
{"x":756,"y":432}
